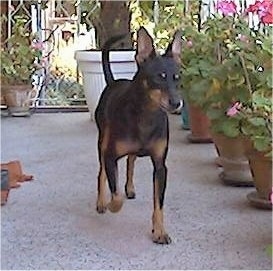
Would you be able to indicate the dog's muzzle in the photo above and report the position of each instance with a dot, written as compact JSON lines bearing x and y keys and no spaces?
{"x":177,"y":107}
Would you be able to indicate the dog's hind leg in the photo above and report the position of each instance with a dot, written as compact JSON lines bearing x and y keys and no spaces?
{"x":112,"y":175}
{"x":129,"y":186}
{"x":101,"y":200}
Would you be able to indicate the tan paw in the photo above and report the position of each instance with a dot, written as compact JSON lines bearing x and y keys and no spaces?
{"x":130,"y":193}
{"x":115,"y":204}
{"x":101,"y":207}
{"x":160,"y":237}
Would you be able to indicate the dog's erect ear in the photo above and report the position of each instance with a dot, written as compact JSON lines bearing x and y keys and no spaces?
{"x":145,"y":47}
{"x":174,"y":48}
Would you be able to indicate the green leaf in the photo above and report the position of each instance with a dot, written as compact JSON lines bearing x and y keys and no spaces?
{"x":241,"y":81}
{"x":192,"y":71}
{"x":214,"y":113}
{"x":262,"y":143}
{"x":269,"y":80}
{"x":231,"y":127}
{"x":267,"y":45}
{"x":257,"y":121}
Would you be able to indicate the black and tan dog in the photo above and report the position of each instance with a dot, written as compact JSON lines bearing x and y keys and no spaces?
{"x":132,"y":121}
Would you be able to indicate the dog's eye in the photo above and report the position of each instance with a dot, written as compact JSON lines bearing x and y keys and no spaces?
{"x":176,"y":77}
{"x":163,"y":75}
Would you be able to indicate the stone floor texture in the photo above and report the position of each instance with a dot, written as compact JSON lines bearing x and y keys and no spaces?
{"x":51,"y":223}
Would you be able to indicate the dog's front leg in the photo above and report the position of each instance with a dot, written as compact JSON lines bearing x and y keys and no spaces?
{"x":129,"y":186}
{"x":111,"y":168}
{"x":159,"y":182}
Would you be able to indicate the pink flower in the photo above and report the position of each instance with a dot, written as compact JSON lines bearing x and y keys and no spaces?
{"x":44,"y":61}
{"x":243,"y":38}
{"x":264,"y":10}
{"x":227,"y":7}
{"x":37,"y":45}
{"x":268,"y":18}
{"x":189,"y":43}
{"x":233,"y":110}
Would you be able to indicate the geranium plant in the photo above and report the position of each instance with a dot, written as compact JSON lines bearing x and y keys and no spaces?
{"x":223,"y":65}
{"x":20,"y":55}
{"x":256,"y":122}
{"x":254,"y":117}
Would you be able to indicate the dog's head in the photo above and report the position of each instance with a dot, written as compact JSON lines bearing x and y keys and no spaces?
{"x":160,"y":73}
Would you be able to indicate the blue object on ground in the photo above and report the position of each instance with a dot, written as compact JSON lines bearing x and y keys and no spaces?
{"x":185,"y":117}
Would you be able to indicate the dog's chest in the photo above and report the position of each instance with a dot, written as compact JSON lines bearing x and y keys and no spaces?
{"x":150,"y":128}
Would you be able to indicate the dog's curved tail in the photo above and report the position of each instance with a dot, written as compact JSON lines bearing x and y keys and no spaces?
{"x":108,"y":75}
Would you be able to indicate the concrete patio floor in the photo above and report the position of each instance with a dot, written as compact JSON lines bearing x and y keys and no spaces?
{"x":51,"y":222}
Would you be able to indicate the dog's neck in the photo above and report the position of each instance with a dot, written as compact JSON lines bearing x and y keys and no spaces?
{"x":140,"y":95}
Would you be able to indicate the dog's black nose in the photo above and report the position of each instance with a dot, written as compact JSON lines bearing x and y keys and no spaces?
{"x":176,"y":106}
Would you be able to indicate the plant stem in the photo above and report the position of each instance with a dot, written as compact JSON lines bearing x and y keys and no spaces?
{"x":246,"y":74}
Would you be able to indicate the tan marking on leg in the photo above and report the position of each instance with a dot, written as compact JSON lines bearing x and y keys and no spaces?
{"x":158,"y":147}
{"x":101,"y":198}
{"x":105,"y":139}
{"x":116,"y":201}
{"x":129,"y":186}
{"x":159,"y":234}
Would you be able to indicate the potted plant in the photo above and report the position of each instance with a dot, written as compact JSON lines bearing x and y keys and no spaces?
{"x":245,"y":76}
{"x":19,"y":58}
{"x":217,"y":62}
{"x":197,"y":55}
{"x":112,"y":18}
{"x":257,"y":127}
{"x":255,"y":123}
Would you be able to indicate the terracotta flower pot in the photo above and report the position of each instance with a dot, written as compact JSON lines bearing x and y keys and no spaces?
{"x":236,"y":170}
{"x":18,"y":99}
{"x":199,"y":125}
{"x":261,"y":169}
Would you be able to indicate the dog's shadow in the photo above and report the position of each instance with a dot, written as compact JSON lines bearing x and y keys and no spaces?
{"x":126,"y":233}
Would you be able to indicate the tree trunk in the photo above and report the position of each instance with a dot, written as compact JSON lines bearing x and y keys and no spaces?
{"x":114,"y":19}
{"x":4,"y":25}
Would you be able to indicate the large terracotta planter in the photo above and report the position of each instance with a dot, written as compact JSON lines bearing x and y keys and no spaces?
{"x":18,"y":99}
{"x":261,"y":169}
{"x":122,"y":63}
{"x":235,"y":166}
{"x":199,"y":125}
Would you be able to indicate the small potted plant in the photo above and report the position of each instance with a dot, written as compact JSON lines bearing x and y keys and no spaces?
{"x":19,"y":58}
